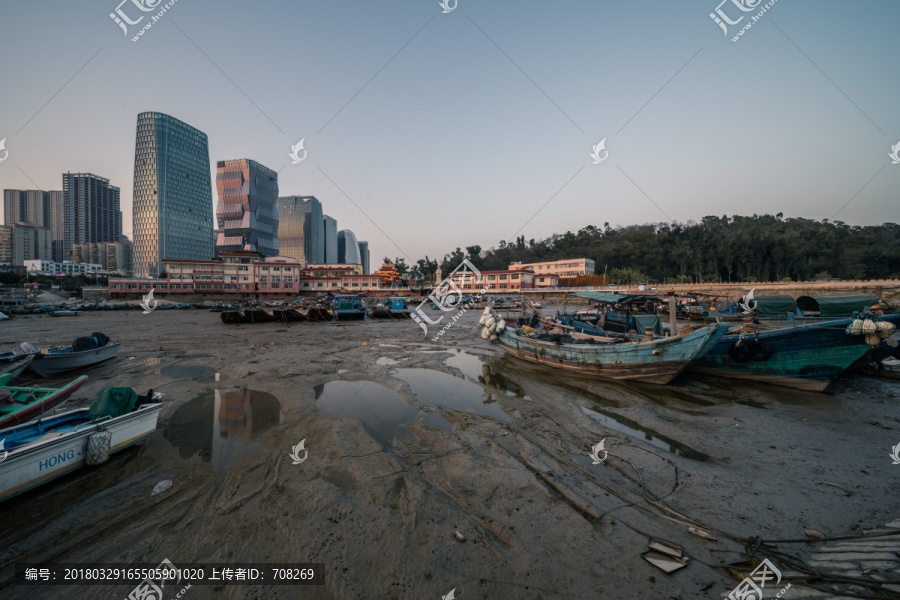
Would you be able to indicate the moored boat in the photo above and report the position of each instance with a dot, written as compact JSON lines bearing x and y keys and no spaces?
{"x":319,"y":312}
{"x":84,"y":352}
{"x":349,"y":306}
{"x":35,"y":453}
{"x":288,"y":315}
{"x":13,"y":364}
{"x":807,"y":357}
{"x":657,"y":360}
{"x":21,"y":404}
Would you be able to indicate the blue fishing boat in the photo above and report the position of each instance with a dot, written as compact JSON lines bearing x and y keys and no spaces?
{"x":808,"y":356}
{"x":349,"y":306}
{"x":392,"y":308}
{"x":657,"y":360}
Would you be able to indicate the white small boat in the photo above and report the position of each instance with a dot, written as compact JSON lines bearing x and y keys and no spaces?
{"x":83,"y":352}
{"x":38,"y":452}
{"x":64,"y":313}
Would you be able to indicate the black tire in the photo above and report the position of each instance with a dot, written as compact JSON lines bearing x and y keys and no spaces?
{"x":761,"y":351}
{"x":740,"y":352}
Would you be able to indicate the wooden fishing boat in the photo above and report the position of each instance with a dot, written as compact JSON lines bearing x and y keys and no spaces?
{"x":288,"y":315}
{"x":658,"y":360}
{"x":319,"y":312}
{"x":84,"y":352}
{"x":64,"y":313}
{"x":39,"y":452}
{"x":349,"y":307}
{"x":21,"y":404}
{"x":12,"y":364}
{"x":248,"y":315}
{"x":807,"y":357}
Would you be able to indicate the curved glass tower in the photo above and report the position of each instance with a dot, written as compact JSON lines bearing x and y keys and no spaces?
{"x":173,"y":216}
{"x":348,"y":248}
{"x":300,"y":229}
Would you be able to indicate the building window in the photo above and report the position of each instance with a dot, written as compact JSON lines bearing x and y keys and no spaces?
{"x":541,"y":280}
{"x":503,"y":278}
{"x":492,"y":277}
{"x":513,"y":276}
{"x":502,"y":286}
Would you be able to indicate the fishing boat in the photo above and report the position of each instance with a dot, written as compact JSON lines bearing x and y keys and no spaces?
{"x":349,"y":306}
{"x":84,"y":352}
{"x":656,"y":360}
{"x":35,"y":453}
{"x":248,"y":315}
{"x":21,"y":404}
{"x":12,"y":364}
{"x":64,"y":313}
{"x":808,"y":356}
{"x":288,"y":315}
{"x":393,"y":308}
{"x":319,"y":312}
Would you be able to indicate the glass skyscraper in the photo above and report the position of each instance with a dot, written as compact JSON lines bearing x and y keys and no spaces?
{"x":246,"y":210}
{"x":348,"y":248}
{"x":330,"y":240}
{"x":91,"y":210}
{"x":172,"y":194}
{"x":364,"y":257}
{"x":300,"y":229}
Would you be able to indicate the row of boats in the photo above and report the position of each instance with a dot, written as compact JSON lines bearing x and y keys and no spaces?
{"x":340,"y":307}
{"x":806,"y":353}
{"x":37,"y":442}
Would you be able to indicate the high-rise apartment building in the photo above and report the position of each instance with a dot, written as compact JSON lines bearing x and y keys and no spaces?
{"x":173,"y":216}
{"x":348,"y":248}
{"x":41,"y":209}
{"x":111,"y":256}
{"x":20,"y":242}
{"x":247,"y":210}
{"x":364,"y":257}
{"x":300,"y":229}
{"x":330,"y":240}
{"x":91,"y":210}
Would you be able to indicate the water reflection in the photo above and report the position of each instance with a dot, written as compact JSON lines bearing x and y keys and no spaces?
{"x":379,"y":410}
{"x":634,"y":429}
{"x":223,"y":427}
{"x":436,"y":388}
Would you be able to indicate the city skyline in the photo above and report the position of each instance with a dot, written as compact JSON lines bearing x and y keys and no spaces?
{"x":499,"y":130}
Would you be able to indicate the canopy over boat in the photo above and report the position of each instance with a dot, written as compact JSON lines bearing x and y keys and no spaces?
{"x":839,"y":305}
{"x":608,"y":297}
{"x":776,"y":304}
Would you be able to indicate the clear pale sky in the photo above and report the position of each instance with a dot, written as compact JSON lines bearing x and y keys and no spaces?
{"x":456,"y":129}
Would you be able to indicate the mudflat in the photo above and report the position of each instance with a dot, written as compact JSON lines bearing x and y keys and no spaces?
{"x":410,"y":442}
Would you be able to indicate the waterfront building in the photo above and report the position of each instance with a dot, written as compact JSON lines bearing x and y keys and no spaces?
{"x":172,"y":194}
{"x":331,"y":248}
{"x":301,"y":231}
{"x":572,"y":267}
{"x":246,"y":209}
{"x":518,"y":279}
{"x":91,"y":210}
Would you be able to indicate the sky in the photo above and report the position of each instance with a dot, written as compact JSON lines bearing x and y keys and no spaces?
{"x":427,"y":130}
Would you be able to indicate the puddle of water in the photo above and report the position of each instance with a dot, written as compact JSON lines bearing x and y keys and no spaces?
{"x":223,"y":427}
{"x":388,"y":345}
{"x":633,"y":429}
{"x":149,"y":362}
{"x":436,"y":420}
{"x":436,"y":388}
{"x":378,"y":408}
{"x":386,"y":361}
{"x":472,"y":367}
{"x":196,"y":372}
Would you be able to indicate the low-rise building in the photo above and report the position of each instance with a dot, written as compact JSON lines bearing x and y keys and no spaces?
{"x":51,"y":268}
{"x":521,"y":279}
{"x":572,"y":267}
{"x":248,"y":273}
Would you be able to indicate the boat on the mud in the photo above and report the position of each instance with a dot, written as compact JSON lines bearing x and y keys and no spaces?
{"x":319,"y":312}
{"x":64,"y":313}
{"x":349,"y":306}
{"x":393,"y":308}
{"x":12,"y":364}
{"x":248,"y":315}
{"x":653,"y":359}
{"x":21,"y":404}
{"x":84,"y":352}
{"x":35,"y":453}
{"x":807,"y":356}
{"x":288,"y":315}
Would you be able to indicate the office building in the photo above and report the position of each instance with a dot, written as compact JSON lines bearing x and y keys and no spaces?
{"x":330,"y":240}
{"x":246,"y":210}
{"x":173,"y":216}
{"x":348,"y":248}
{"x":364,"y":257}
{"x":300,"y":229}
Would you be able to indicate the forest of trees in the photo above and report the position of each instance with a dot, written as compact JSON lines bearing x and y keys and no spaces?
{"x":726,"y":249}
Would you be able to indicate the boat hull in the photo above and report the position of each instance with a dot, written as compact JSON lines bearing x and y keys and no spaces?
{"x":807,"y":357}
{"x":36,"y":409}
{"x":16,"y":366}
{"x":350,"y":315}
{"x":47,"y":365}
{"x":35,"y":464}
{"x":657,"y":361}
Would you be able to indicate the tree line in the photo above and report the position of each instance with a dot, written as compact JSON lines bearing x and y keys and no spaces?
{"x":716,"y":249}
